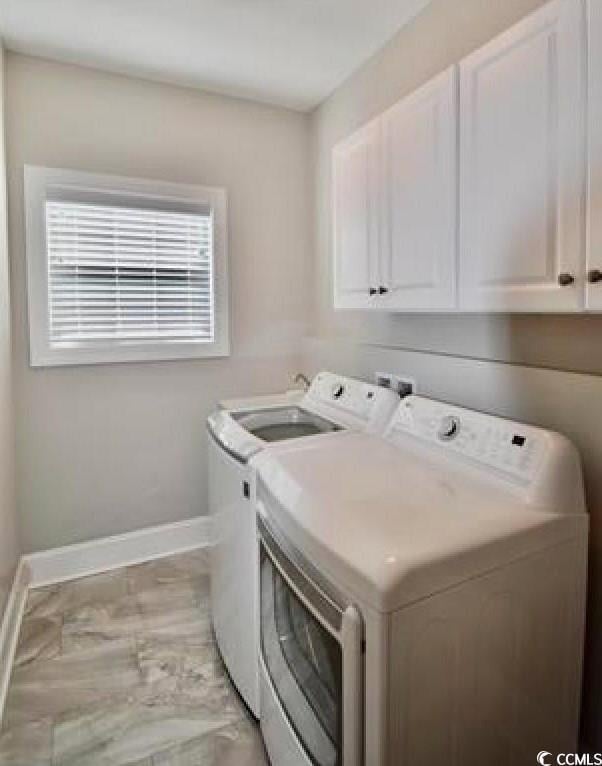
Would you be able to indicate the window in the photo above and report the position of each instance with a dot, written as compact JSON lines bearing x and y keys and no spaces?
{"x":123,"y":269}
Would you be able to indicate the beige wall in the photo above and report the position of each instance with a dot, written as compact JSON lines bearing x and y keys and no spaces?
{"x":453,"y":357}
{"x":109,"y":448}
{"x":9,"y":548}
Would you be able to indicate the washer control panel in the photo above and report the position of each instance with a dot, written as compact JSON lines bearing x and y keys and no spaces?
{"x":512,"y":449}
{"x":354,"y":402}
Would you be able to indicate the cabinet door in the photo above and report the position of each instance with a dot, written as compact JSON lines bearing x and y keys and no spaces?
{"x":356,"y":187}
{"x":419,"y":240}
{"x":522,"y":107}
{"x":594,"y":217}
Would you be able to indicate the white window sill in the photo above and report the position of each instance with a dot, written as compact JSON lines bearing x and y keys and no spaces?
{"x":152,"y":352}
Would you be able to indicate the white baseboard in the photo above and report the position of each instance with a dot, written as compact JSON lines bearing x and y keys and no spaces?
{"x":11,"y":624}
{"x":60,"y":564}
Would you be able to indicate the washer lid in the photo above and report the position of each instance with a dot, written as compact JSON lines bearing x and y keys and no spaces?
{"x":391,"y":526}
{"x":333,"y":402}
{"x":232,"y":437}
{"x":263,"y":401}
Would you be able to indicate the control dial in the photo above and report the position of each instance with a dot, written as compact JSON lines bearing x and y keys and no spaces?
{"x":449,"y":428}
{"x":338,"y":390}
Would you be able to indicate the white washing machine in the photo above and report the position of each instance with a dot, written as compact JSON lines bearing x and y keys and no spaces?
{"x":422,"y":595}
{"x":332,"y":405}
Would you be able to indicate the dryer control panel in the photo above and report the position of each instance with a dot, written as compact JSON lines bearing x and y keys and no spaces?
{"x":542,"y":467}
{"x":515,"y":450}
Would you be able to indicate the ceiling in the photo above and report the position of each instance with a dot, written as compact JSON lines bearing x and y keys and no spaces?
{"x":288,"y":52}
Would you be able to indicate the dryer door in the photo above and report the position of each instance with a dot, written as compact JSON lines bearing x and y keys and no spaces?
{"x":311,"y":650}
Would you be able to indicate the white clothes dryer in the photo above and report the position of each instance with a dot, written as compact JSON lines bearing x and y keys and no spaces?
{"x":422,"y":595}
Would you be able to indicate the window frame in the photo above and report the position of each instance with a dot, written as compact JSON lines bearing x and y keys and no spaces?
{"x":40,"y":184}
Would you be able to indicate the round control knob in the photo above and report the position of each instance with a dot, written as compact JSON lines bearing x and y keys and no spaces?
{"x":338,"y":390}
{"x":449,"y":428}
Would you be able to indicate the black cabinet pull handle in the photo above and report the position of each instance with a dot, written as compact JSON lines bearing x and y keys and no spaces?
{"x":373,"y":291}
{"x":565,"y":279}
{"x":594,"y":276}
{"x":383,"y":290}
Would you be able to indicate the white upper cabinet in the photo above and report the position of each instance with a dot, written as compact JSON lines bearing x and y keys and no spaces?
{"x":522,"y":109}
{"x":419,"y":211}
{"x":356,"y":185}
{"x":528,"y":122}
{"x":395,"y":205}
{"x":594,"y":218}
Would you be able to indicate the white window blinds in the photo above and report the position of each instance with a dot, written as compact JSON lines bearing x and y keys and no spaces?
{"x":124,"y":274}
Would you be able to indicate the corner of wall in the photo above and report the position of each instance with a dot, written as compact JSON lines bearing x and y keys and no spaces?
{"x":9,"y":544}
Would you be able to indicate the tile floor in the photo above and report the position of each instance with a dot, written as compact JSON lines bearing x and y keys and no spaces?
{"x":122,"y":669}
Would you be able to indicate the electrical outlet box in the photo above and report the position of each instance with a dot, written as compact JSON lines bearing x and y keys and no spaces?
{"x":401,"y":384}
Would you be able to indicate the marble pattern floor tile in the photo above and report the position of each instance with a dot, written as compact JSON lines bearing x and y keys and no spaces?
{"x":65,"y":598}
{"x":121,"y":669}
{"x":40,"y":638}
{"x":237,"y":744}
{"x":176,"y":612}
{"x":162,"y":657}
{"x":95,"y":624}
{"x":185,"y":566}
{"x":27,"y":745}
{"x":72,"y":681}
{"x":131,"y":731}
